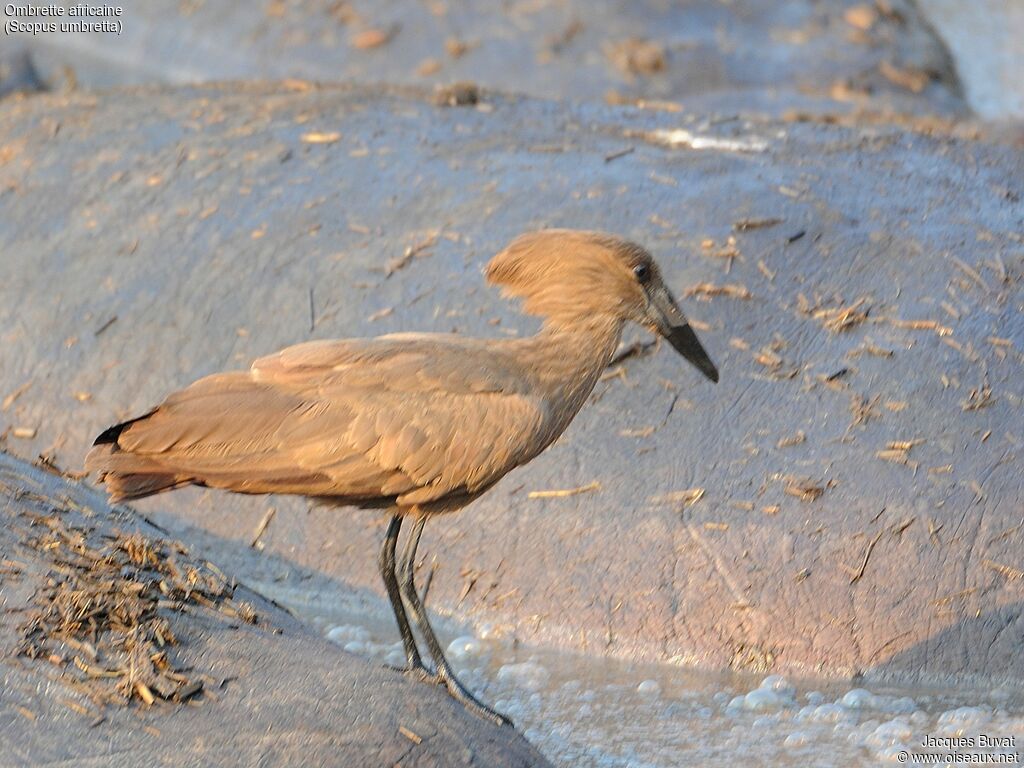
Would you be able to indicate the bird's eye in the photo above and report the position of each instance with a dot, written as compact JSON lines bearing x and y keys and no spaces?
{"x":642,"y":272}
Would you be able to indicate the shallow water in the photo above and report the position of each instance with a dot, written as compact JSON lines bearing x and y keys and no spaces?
{"x":586,"y":711}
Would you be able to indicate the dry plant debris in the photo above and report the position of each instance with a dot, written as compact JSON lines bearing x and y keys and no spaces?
{"x":868,"y":348}
{"x":898,"y":452}
{"x":979,"y":397}
{"x":462,"y":94}
{"x":105,"y":614}
{"x":562,"y":493}
{"x":855,"y":575}
{"x":795,"y":439}
{"x":637,"y":56}
{"x":321,"y":137}
{"x":769,"y":357}
{"x":456,"y":48}
{"x":863,"y":409}
{"x":730,"y":252}
{"x":261,"y":527}
{"x":429,"y":66}
{"x":636,"y":349}
{"x":710,"y":290}
{"x":684,"y":499}
{"x":1006,"y":571}
{"x":862,"y":17}
{"x":374,"y":37}
{"x":743,"y":225}
{"x":412,"y":736}
{"x":913,"y":79}
{"x":922,"y":325}
{"x":9,"y":400}
{"x":411,"y":252}
{"x":835,"y":319}
{"x":805,"y":490}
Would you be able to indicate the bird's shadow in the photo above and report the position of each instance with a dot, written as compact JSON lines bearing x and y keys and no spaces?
{"x":988,"y":643}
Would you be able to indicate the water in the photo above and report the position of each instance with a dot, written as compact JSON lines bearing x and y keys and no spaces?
{"x":586,"y":711}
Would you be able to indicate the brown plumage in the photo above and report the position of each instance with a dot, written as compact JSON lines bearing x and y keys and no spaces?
{"x":420,"y":423}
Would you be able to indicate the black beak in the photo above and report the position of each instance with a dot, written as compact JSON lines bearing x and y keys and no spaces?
{"x":664,"y":314}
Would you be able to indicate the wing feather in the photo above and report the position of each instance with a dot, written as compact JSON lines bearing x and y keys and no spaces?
{"x":413,"y":416}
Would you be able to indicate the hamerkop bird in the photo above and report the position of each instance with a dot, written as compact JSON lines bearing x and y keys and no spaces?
{"x":415,"y":423}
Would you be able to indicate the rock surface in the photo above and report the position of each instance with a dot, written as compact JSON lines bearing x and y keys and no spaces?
{"x":287,"y":697}
{"x":847,"y":499}
{"x":984,"y":37}
{"x":770,"y":55}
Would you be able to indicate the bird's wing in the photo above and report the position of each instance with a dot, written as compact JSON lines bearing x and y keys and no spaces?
{"x":409,"y":362}
{"x":416,"y":418}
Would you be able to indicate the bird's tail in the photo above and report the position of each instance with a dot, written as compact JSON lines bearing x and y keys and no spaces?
{"x":128,"y":476}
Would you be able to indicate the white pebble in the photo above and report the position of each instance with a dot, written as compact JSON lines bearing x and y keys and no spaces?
{"x":649,"y":688}
{"x":954,"y":722}
{"x":465,"y":647}
{"x":488,"y":631}
{"x":528,"y":675}
{"x":343,"y":633}
{"x":796,"y":739}
{"x":779,"y":685}
{"x":889,"y":734}
{"x":824,"y":713}
{"x":844,"y":730}
{"x":763,"y":700}
{"x":858,"y":698}
{"x":902,"y":705}
{"x":897,"y":754}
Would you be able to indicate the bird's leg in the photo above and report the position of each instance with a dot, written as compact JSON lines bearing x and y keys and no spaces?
{"x":445,"y":674}
{"x":386,"y":561}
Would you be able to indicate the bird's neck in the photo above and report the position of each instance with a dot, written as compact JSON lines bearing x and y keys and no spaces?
{"x":568,"y":358}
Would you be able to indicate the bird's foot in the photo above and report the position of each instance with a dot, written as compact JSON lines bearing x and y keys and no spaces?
{"x":420,"y":674}
{"x":456,"y":690}
{"x":461,"y":694}
{"x":412,"y":669}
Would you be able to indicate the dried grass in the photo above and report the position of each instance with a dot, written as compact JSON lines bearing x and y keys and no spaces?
{"x":103,"y":617}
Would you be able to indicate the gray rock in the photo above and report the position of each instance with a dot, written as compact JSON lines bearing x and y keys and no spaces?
{"x":829,"y":55}
{"x":859,"y":461}
{"x":17,"y":74}
{"x":287,"y":697}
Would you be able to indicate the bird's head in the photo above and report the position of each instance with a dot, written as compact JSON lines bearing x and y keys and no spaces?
{"x":568,"y":276}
